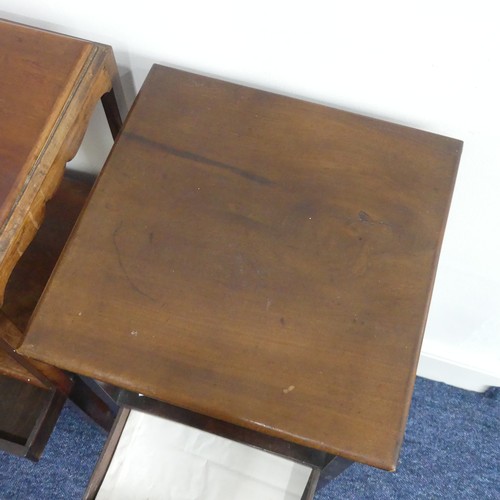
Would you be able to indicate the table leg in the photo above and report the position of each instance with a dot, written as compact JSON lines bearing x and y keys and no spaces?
{"x":320,"y":477}
{"x":336,"y":466}
{"x":108,"y":451}
{"x":112,"y":112}
{"x":94,"y":402}
{"x":311,"y":485}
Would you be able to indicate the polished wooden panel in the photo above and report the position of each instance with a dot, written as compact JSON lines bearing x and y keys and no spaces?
{"x":49,"y":87}
{"x":258,"y":259}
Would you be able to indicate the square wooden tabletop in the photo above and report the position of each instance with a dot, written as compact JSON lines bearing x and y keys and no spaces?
{"x":258,"y":259}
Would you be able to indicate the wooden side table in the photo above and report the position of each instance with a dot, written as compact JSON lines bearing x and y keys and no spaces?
{"x":49,"y":86}
{"x":258,"y":266}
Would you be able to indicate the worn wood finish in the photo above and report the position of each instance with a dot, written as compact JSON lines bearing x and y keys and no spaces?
{"x":29,"y":410}
{"x":31,"y":371}
{"x":30,"y":276}
{"x":10,"y":367}
{"x":49,"y":87}
{"x":258,"y":259}
{"x":34,"y":267}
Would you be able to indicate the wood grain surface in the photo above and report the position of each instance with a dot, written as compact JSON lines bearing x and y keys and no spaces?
{"x":39,"y":71}
{"x":49,"y":87}
{"x":258,"y":259}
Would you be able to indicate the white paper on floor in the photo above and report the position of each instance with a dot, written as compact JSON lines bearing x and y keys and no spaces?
{"x":160,"y":459}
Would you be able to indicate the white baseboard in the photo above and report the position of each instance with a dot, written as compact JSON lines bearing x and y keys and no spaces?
{"x":456,"y":374}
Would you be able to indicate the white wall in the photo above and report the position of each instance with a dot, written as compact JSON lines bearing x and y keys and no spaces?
{"x":431,"y":64}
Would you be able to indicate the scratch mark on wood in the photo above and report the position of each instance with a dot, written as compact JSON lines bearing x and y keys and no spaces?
{"x":122,"y":266}
{"x":189,"y":155}
{"x":33,"y":221}
{"x":364,"y":217}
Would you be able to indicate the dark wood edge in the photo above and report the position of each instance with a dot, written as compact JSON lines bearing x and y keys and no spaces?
{"x":41,"y":432}
{"x":44,"y":426}
{"x":107,"y":454}
{"x":24,"y":362}
{"x":286,"y":449}
{"x":112,"y":112}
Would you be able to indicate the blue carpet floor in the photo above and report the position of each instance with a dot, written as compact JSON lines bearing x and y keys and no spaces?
{"x":451,"y":450}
